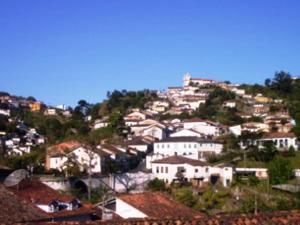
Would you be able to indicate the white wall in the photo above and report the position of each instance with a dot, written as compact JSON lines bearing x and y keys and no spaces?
{"x":127,"y":211}
{"x":185,"y":133}
{"x":188,"y":149}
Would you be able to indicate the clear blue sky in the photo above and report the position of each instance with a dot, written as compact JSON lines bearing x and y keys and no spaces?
{"x":61,"y":51}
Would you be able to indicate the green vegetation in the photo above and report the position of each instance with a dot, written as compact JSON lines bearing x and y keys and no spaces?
{"x":156,"y":185}
{"x":280,"y":170}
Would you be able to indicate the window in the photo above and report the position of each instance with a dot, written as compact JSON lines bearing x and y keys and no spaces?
{"x":157,"y":146}
{"x":184,"y":145}
{"x":175,"y":153}
{"x":162,"y":146}
{"x":189,"y":145}
{"x":157,"y":169}
{"x":206,"y":169}
{"x":195,"y":145}
{"x":167,"y":169}
{"x":286,"y":142}
{"x":161,"y":169}
{"x":196,"y":170}
{"x":168,"y":146}
{"x":190,"y":153}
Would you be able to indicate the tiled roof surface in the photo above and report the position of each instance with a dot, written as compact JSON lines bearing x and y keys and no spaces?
{"x":38,"y":193}
{"x":63,"y":147}
{"x":14,"y":209}
{"x":279,"y":135}
{"x":176,"y":159}
{"x":158,"y":205}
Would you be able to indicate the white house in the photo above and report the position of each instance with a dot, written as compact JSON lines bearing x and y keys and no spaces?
{"x":101,"y":123}
{"x":203,"y":126}
{"x":187,"y":133}
{"x":229,"y":104}
{"x":191,"y":147}
{"x":135,"y":116}
{"x":172,"y":168}
{"x":280,"y":140}
{"x":5,"y":112}
{"x":50,"y":112}
{"x":79,"y":155}
{"x":156,"y":130}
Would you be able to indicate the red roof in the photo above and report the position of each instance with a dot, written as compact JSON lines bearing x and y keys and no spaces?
{"x":158,"y":205}
{"x":279,"y":135}
{"x":176,"y":159}
{"x":39,"y":193}
{"x":14,"y":209}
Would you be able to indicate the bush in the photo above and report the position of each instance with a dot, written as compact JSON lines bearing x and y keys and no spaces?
{"x":156,"y":185}
{"x":185,"y":196}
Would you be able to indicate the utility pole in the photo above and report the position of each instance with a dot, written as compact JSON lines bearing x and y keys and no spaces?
{"x":255,"y":205}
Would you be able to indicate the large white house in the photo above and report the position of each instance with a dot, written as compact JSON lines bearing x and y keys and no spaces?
{"x":282,"y":141}
{"x":171,"y":168}
{"x":60,"y":156}
{"x":191,"y":147}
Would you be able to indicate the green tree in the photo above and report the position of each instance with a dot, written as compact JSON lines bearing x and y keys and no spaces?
{"x":280,"y":170}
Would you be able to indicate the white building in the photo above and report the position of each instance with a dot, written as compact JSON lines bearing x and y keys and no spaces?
{"x":187,"y":133}
{"x":171,"y":168}
{"x":101,"y":123}
{"x":80,"y":155}
{"x":191,"y":147}
{"x":5,"y":112}
{"x":187,"y":80}
{"x":282,"y":141}
{"x":203,"y":126}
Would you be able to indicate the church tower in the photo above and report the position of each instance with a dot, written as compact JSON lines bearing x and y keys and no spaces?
{"x":186,"y":79}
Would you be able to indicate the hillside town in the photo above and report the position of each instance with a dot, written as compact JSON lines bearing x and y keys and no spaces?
{"x":203,"y":148}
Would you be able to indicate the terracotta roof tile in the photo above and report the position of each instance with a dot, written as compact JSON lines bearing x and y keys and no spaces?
{"x":14,"y":209}
{"x":279,"y":135}
{"x":158,"y":205}
{"x":176,"y":159}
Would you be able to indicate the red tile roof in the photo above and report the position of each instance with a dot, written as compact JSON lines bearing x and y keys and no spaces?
{"x":158,"y":205}
{"x":176,"y":159}
{"x":14,"y":209}
{"x":38,"y":193}
{"x":63,"y":147}
{"x":279,"y":135}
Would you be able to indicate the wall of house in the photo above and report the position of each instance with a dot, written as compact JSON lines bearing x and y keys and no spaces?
{"x":57,"y":162}
{"x":281,"y":142}
{"x":185,"y":133}
{"x":154,"y":132}
{"x":168,"y":172}
{"x":188,"y":149}
{"x":127,"y":211}
{"x":141,"y":148}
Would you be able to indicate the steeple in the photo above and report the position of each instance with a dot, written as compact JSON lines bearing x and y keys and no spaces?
{"x":186,"y":79}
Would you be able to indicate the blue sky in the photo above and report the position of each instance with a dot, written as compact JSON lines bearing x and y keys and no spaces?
{"x":61,"y":51}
